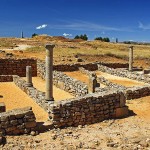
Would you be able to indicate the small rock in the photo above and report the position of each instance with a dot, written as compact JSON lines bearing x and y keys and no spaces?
{"x":79,"y":60}
{"x":33,"y":133}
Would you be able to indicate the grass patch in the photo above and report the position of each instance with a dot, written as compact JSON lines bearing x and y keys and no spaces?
{"x":35,"y":49}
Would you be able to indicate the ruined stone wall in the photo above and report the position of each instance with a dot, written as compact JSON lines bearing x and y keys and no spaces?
{"x":89,"y":109}
{"x":110,"y":84}
{"x":125,"y":73}
{"x":17,"y":66}
{"x":137,"y":92}
{"x":130,"y":92}
{"x":6,"y":78}
{"x":70,"y":85}
{"x":78,"y":111}
{"x":75,"y":67}
{"x":64,"y":82}
{"x":17,"y":121}
{"x":36,"y":95}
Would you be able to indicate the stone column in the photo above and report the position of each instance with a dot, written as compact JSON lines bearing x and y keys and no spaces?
{"x":49,"y":72}
{"x":92,"y":83}
{"x":29,"y":76}
{"x":130,"y":58}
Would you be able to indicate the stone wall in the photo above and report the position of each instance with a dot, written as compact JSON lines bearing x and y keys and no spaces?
{"x":36,"y":95}
{"x":89,"y":109}
{"x":17,"y":121}
{"x":70,"y":85}
{"x":17,"y":66}
{"x":137,"y":92}
{"x":75,"y":67}
{"x":130,"y":92}
{"x":6,"y":78}
{"x":125,"y":73}
{"x":110,"y":84}
{"x":64,"y":82}
{"x":78,"y":111}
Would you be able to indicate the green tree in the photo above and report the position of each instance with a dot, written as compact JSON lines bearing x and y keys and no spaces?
{"x":77,"y":37}
{"x":99,"y":38}
{"x":106,"y":39}
{"x":83,"y":37}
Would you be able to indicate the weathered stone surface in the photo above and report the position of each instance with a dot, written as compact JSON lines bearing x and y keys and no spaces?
{"x":14,"y":122}
{"x":2,"y":107}
{"x":17,"y":67}
{"x":122,"y":112}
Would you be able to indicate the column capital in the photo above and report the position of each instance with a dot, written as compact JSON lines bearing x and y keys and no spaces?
{"x":49,"y":46}
{"x":131,"y":47}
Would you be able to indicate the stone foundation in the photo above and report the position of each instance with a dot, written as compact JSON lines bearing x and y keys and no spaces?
{"x":17,"y":121}
{"x":87,"y":109}
{"x":17,"y":66}
{"x":6,"y":78}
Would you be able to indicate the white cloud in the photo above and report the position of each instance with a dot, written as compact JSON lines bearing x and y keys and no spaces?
{"x":86,"y":26}
{"x":41,"y":27}
{"x":145,"y":27}
{"x":67,"y":34}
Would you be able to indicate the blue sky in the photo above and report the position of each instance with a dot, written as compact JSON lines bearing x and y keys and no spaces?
{"x":122,"y":19}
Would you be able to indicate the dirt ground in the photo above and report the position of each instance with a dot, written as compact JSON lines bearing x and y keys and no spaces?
{"x":80,"y":76}
{"x":131,"y":133}
{"x":57,"y":93}
{"x":120,"y":80}
{"x":128,"y":133}
{"x":13,"y":97}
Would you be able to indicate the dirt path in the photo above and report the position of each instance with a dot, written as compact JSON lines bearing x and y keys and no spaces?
{"x":13,"y":98}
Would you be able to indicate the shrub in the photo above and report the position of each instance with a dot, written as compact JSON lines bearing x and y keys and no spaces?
{"x":83,"y":37}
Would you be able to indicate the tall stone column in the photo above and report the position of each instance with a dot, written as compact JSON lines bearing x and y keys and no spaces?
{"x":49,"y":72}
{"x":29,"y":76}
{"x":130,"y":58}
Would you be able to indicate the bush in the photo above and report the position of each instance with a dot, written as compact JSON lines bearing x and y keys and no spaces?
{"x":83,"y":37}
{"x":106,"y":39}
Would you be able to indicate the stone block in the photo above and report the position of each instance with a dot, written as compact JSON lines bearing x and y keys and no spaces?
{"x":146,"y":71}
{"x":122,"y":112}
{"x":30,"y":124}
{"x":2,"y":107}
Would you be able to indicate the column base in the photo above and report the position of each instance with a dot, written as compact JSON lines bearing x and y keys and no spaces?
{"x":29,"y":85}
{"x":51,"y":99}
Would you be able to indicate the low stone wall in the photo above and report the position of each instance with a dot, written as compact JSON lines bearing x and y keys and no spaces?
{"x":89,"y":109}
{"x":75,"y":67}
{"x":36,"y":95}
{"x":6,"y":78}
{"x":17,"y":66}
{"x":78,"y":111}
{"x":87,"y":72}
{"x":64,"y":82}
{"x":125,"y":73}
{"x":70,"y":85}
{"x":111,"y":84}
{"x":17,"y":121}
{"x":137,"y":92}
